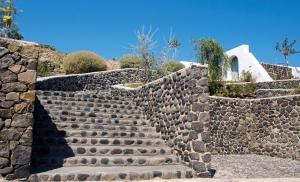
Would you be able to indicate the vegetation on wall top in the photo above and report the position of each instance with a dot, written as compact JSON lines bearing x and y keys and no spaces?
{"x":83,"y":62}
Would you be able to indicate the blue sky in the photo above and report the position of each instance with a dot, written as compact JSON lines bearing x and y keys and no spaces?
{"x":107,"y":27}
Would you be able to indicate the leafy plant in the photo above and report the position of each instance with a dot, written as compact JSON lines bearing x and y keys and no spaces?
{"x":83,"y":62}
{"x":240,"y":91}
{"x":170,"y":67}
{"x":286,"y":49}
{"x":210,"y":52}
{"x":247,"y":76}
{"x":43,"y":69}
{"x":131,"y":61}
{"x":221,"y":89}
{"x":8,"y":26}
{"x":217,"y":88}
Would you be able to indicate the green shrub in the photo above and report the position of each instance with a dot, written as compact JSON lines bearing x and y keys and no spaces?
{"x":43,"y":69}
{"x":170,"y":67}
{"x":240,"y":91}
{"x":131,"y":61}
{"x":247,"y":76}
{"x":218,"y":88}
{"x":51,"y":47}
{"x":83,"y":62}
{"x":297,"y":90}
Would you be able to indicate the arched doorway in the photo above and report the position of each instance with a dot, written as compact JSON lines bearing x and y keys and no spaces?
{"x":234,"y":68}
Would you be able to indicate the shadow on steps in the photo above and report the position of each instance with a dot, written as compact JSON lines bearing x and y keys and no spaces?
{"x":49,"y":145}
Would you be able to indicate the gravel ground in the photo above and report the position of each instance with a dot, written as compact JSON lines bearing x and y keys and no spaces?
{"x":254,"y":166}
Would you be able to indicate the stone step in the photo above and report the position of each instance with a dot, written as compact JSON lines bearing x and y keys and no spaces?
{"x":78,"y":119}
{"x":93,"y":114}
{"x":100,"y":99}
{"x":94,"y":126}
{"x":91,"y":104}
{"x":106,"y":109}
{"x":93,"y":134}
{"x":106,"y":161}
{"x":47,"y":140}
{"x":83,"y":173}
{"x":80,"y":94}
{"x":77,"y":150}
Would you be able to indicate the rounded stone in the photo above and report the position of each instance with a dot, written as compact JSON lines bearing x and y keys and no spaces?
{"x":82,"y":177}
{"x":81,"y":150}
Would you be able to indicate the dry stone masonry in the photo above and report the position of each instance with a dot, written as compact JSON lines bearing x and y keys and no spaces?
{"x":268,"y":126}
{"x":17,"y":95}
{"x":92,"y":81}
{"x":278,"y":72}
{"x":177,"y":105}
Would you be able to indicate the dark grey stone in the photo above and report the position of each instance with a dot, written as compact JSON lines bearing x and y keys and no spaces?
{"x":10,"y":134}
{"x":22,"y":120}
{"x":192,"y":117}
{"x":7,"y":76}
{"x":14,"y":87}
{"x":3,"y":51}
{"x":21,"y":155}
{"x":5,"y":113}
{"x":6,"y":170}
{"x":22,"y":172}
{"x":198,"y":146}
{"x":198,"y":166}
{"x":6,"y":61}
{"x":197,"y":126}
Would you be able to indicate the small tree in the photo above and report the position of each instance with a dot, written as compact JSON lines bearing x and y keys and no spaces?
{"x":9,"y":29}
{"x":286,"y":49}
{"x":210,"y":52}
{"x":144,"y":48}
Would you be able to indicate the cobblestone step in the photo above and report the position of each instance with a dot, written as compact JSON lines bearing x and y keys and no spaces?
{"x":83,"y":173}
{"x":81,"y":94}
{"x":106,"y":161}
{"x":90,"y":104}
{"x":46,"y":140}
{"x":92,"y":126}
{"x":110,"y":109}
{"x":73,"y":150}
{"x":85,"y":120}
{"x":93,"y":134}
{"x":92,"y":114}
{"x":99,"y":99}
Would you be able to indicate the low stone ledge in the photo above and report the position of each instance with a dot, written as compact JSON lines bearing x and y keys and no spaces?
{"x":92,"y":81}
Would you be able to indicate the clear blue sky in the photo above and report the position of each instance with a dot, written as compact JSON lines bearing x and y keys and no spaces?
{"x":107,"y":26}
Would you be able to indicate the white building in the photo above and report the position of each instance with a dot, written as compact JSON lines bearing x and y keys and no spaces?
{"x":243,"y":60}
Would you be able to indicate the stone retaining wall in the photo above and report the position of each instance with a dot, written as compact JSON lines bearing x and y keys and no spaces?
{"x":17,"y":84}
{"x":92,"y":81}
{"x":278,"y":72}
{"x":37,"y":51}
{"x":177,"y":106}
{"x":269,"y":126}
{"x":264,"y":93}
{"x":277,"y":84}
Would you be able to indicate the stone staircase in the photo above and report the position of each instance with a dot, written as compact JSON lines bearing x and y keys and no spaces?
{"x":93,"y":136}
